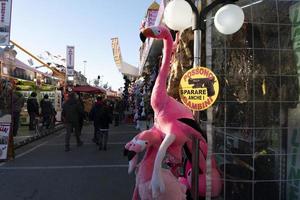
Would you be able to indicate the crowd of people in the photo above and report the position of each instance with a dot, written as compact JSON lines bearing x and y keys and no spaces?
{"x":102,"y":113}
{"x":74,"y":112}
{"x":33,"y":108}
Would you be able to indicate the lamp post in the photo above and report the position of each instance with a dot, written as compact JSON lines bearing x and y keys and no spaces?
{"x":84,"y":65}
{"x":182,"y":14}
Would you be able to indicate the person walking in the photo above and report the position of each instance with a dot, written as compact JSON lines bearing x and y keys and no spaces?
{"x":47,"y":111}
{"x":71,"y":112}
{"x":102,"y":117}
{"x":82,"y":116}
{"x":33,"y":110}
{"x":117,"y":111}
{"x":18,"y":103}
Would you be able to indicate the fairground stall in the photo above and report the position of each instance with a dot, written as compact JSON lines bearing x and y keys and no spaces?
{"x":88,"y":94}
{"x":27,"y":80}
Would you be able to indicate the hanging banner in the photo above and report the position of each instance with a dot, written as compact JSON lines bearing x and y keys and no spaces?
{"x":152,"y":13}
{"x":151,"y":17}
{"x":4,"y":139}
{"x":116,"y":51}
{"x":199,"y":88}
{"x":5,"y":22}
{"x":70,"y":60}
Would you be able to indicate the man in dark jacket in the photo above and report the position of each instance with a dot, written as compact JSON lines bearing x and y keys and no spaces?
{"x":102,"y":118}
{"x":18,"y":103}
{"x":47,"y":110}
{"x":33,"y":110}
{"x":71,"y":112}
{"x":81,"y":117}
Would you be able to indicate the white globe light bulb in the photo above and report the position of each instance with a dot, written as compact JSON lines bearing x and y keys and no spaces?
{"x":229,"y":19}
{"x":178,"y":15}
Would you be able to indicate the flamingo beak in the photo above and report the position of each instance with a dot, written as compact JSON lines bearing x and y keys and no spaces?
{"x":130,"y":155}
{"x":125,"y":152}
{"x":142,"y":37}
{"x":145,"y":33}
{"x":132,"y":164}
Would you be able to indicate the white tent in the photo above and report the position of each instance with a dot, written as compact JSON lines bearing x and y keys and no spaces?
{"x":124,"y":68}
{"x":128,"y":69}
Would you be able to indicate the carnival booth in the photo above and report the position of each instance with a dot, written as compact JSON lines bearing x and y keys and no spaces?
{"x":27,"y":80}
{"x":87,"y":94}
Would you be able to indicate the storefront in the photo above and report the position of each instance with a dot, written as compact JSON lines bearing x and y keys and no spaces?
{"x":256,"y":118}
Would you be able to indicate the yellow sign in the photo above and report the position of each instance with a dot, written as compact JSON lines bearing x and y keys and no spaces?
{"x":199,"y":88}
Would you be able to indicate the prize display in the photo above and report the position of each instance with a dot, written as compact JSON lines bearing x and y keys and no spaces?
{"x":24,"y":118}
{"x":171,"y":134}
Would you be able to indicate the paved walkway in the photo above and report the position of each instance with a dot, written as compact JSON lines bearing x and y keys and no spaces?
{"x":25,"y":136}
{"x":43,"y":171}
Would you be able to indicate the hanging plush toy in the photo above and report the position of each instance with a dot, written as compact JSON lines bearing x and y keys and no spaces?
{"x":174,"y":125}
{"x":216,"y":184}
{"x":168,"y":111}
{"x":150,"y":141}
{"x":173,"y":120}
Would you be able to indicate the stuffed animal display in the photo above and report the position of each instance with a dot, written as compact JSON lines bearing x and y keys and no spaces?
{"x":173,"y":129}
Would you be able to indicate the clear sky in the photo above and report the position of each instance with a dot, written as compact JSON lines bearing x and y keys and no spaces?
{"x":89,"y":25}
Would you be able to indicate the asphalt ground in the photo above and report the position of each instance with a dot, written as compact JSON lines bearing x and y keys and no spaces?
{"x":42,"y":170}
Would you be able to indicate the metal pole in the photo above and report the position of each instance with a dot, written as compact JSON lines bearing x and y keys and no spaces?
{"x":197,"y":62}
{"x":195,"y":158}
{"x":197,"y":48}
{"x":30,"y":54}
{"x":199,"y":25}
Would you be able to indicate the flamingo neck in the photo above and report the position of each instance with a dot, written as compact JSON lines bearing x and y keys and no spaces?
{"x":165,"y":66}
{"x":159,"y":92}
{"x":146,"y":166}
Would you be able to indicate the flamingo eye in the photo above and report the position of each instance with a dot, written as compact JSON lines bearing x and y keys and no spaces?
{"x":146,"y":143}
{"x":156,"y":31}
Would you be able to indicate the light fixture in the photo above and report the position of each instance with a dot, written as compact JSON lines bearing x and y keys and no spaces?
{"x":178,"y":15}
{"x":70,"y":78}
{"x":229,"y":19}
{"x":5,"y":70}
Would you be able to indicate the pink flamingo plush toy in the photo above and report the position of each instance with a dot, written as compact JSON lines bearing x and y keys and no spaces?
{"x":171,"y":118}
{"x":150,"y":141}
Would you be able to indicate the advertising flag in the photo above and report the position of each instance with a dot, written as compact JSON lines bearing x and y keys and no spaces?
{"x":5,"y":22}
{"x":70,"y":60}
{"x":116,"y":51}
{"x":151,"y":18}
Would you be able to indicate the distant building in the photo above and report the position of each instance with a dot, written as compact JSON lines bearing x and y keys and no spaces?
{"x":79,"y":78}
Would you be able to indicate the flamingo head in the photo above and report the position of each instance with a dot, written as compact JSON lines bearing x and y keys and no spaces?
{"x":158,"y":32}
{"x":138,"y":144}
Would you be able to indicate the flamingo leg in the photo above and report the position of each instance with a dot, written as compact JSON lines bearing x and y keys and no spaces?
{"x":157,"y":184}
